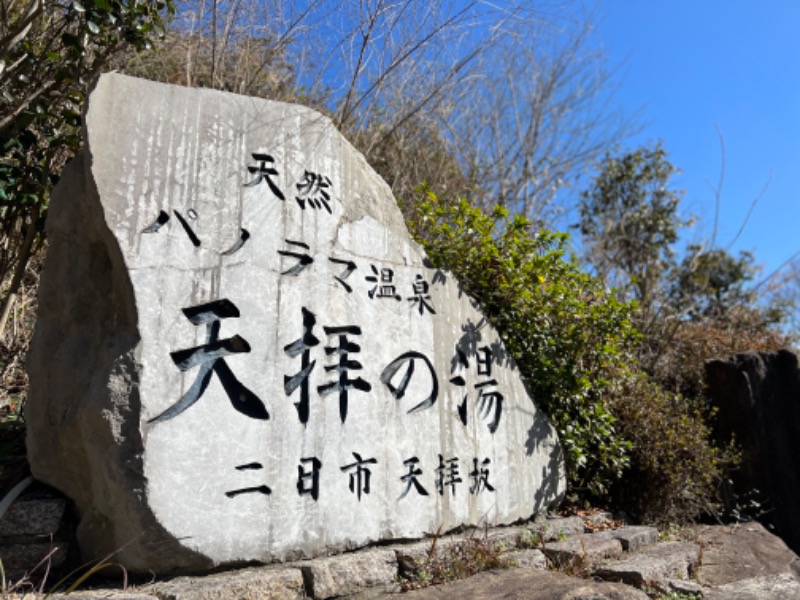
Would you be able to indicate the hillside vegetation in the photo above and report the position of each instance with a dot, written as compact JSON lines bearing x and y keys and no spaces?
{"x":482,"y":138}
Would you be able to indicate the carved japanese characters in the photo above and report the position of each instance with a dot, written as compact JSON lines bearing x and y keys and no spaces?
{"x":241,"y":355}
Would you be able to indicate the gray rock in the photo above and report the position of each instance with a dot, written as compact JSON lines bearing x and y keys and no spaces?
{"x":348,"y":574}
{"x":763,"y":572}
{"x":32,"y":517}
{"x":632,"y":538}
{"x":275,"y":584}
{"x":510,"y":537}
{"x":773,"y":587}
{"x":582,"y":550}
{"x":636,"y":537}
{"x":419,"y":551}
{"x":527,"y":559}
{"x":527,"y":584}
{"x":373,"y":594}
{"x":557,"y":528}
{"x":756,"y":395}
{"x":20,"y":560}
{"x":654,"y":565}
{"x":684,"y":586}
{"x":101,"y":595}
{"x":240,"y":353}
{"x":745,"y":551}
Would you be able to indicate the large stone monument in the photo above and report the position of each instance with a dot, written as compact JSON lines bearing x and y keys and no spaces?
{"x":241,"y":355}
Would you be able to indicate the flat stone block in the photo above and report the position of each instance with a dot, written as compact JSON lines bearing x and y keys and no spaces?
{"x":348,"y":573}
{"x":131,"y":594}
{"x":582,"y":549}
{"x":412,"y":558}
{"x":745,"y":551}
{"x":423,"y":548}
{"x":509,"y":537}
{"x":527,"y":584}
{"x":527,"y":559}
{"x":32,"y":517}
{"x":418,"y":551}
{"x":267,"y":582}
{"x":555,"y":528}
{"x":684,"y":586}
{"x":773,"y":587}
{"x":667,"y":560}
{"x":21,"y":559}
{"x":632,"y":538}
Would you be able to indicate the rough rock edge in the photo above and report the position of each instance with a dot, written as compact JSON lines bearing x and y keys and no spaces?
{"x":115,"y":320}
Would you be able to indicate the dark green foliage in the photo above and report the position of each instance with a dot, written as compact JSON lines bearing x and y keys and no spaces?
{"x":576,"y":347}
{"x":710,"y":283}
{"x":567,"y":335}
{"x":689,"y":311}
{"x":629,"y":222}
{"x":50,"y":52}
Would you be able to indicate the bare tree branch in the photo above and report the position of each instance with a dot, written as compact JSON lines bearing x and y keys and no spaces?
{"x":516,"y":99}
{"x":718,"y":189}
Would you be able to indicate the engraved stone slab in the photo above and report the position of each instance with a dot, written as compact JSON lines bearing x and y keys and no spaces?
{"x":241,"y":355}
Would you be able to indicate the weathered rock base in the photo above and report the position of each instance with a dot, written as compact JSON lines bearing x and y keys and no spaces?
{"x":756,"y":394}
{"x":553,"y":559}
{"x":32,"y":533}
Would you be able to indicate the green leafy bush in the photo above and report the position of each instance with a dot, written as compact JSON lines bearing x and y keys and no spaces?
{"x":50,"y":52}
{"x":576,"y":347}
{"x":675,"y":470}
{"x":565,"y":332}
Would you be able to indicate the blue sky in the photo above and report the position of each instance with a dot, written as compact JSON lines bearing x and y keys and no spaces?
{"x":693,"y":66}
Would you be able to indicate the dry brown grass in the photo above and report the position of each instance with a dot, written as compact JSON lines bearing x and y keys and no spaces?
{"x":452,"y":561}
